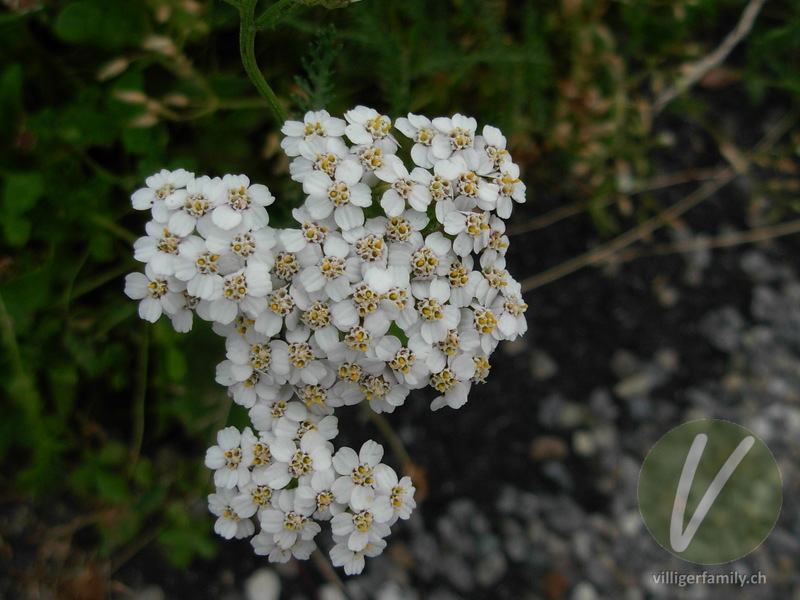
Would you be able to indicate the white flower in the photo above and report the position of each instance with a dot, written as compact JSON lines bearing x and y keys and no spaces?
{"x":239,"y":202}
{"x":404,"y":228}
{"x":316,"y":396}
{"x":509,"y":188}
{"x":308,"y":238}
{"x":482,"y":368}
{"x":230,"y":468}
{"x":456,"y":342}
{"x":243,"y":325}
{"x":288,"y":521}
{"x":251,"y":499}
{"x":298,"y":423}
{"x":333,"y":273}
{"x":453,"y":382}
{"x":247,"y":392}
{"x":242,"y":289}
{"x":269,"y":409}
{"x":192,"y":206}
{"x":466,"y":172}
{"x":257,"y":456}
{"x":341,"y":195}
{"x":436,"y":316}
{"x":304,"y":366}
{"x":158,"y":293}
{"x":269,"y":358}
{"x":317,"y":316}
{"x":369,"y":246}
{"x":435,"y":253}
{"x":372,"y":158}
{"x":439,"y":188}
{"x":471,"y":230}
{"x":394,"y":291}
{"x":264,"y":545}
{"x":242,"y":242}
{"x":368,"y":127}
{"x":160,"y":187}
{"x":364,"y":527}
{"x":229,"y":524}
{"x":318,"y":154}
{"x":498,"y":243}
{"x":458,"y":133}
{"x":421,"y":130}
{"x":353,"y":562}
{"x":401,"y":493}
{"x":495,"y":280}
{"x":298,"y":461}
{"x":202,"y":269}
{"x":408,"y":366}
{"x":510,"y":312}
{"x":382,"y":392}
{"x":482,"y":320}
{"x":337,"y":310}
{"x":315,"y":123}
{"x":404,"y":188}
{"x":183,"y":316}
{"x":317,"y":495}
{"x":357,"y":485}
{"x":464,"y":282}
{"x":493,"y":144}
{"x":159,"y":248}
{"x":280,"y":304}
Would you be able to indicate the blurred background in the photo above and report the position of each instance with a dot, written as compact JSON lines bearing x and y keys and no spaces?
{"x":658,"y":248}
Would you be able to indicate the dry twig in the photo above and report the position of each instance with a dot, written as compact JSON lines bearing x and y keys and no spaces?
{"x":751,"y":236}
{"x":601,"y":253}
{"x":694,"y":72}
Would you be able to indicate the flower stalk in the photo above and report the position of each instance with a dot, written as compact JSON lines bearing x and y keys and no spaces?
{"x":247,"y":43}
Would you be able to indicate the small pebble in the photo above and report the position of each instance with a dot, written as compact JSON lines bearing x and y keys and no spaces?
{"x":264,"y":584}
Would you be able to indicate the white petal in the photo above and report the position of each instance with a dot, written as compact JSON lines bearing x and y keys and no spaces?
{"x":348,"y":216}
{"x":225,"y":217}
{"x":150,"y":309}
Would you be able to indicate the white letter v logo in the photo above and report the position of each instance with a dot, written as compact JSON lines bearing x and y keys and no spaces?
{"x":681,"y":540}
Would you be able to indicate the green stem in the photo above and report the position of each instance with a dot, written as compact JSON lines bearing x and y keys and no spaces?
{"x":20,"y":385}
{"x":117,"y":230}
{"x":140,"y":393}
{"x":76,"y":291}
{"x":389,"y":434}
{"x":247,"y":47}
{"x":277,"y":13}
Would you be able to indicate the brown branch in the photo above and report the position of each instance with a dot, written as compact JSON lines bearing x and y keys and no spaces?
{"x":547,"y":219}
{"x":666,"y":180}
{"x":695,"y":71}
{"x":655,"y":183}
{"x":750,"y":236}
{"x":600,"y":253}
{"x":327,"y":571}
{"x":388,"y":432}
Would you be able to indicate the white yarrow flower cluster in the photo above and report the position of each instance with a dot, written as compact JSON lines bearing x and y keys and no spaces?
{"x":393,"y":280}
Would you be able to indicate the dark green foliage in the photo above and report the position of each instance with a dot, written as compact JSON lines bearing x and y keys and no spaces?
{"x":95,"y":95}
{"x":319,"y":85}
